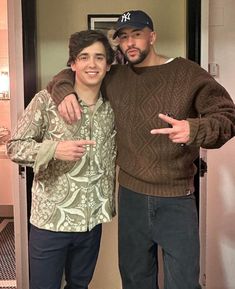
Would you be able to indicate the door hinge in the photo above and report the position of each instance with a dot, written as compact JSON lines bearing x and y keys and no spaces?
{"x":22,"y":171}
{"x":203,"y":167}
{"x":204,"y":280}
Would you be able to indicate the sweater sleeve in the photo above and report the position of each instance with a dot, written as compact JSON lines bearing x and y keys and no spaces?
{"x":216,"y":110}
{"x":61,"y":85}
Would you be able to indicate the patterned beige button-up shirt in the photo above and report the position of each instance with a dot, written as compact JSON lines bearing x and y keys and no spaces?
{"x":67,"y":196}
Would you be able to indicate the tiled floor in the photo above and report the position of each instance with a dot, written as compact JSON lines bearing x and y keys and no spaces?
{"x":7,"y":254}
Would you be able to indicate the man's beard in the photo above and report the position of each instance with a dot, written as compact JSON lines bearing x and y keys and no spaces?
{"x":142,"y":55}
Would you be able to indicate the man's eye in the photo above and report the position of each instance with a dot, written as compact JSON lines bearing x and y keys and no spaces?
{"x":100,"y":58}
{"x":137,"y":35}
{"x":122,"y":37}
{"x":82,"y":57}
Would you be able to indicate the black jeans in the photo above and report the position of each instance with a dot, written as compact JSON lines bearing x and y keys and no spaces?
{"x":146,"y":222}
{"x":51,"y":253}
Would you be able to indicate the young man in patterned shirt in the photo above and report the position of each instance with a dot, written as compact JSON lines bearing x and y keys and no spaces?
{"x":74,"y":166}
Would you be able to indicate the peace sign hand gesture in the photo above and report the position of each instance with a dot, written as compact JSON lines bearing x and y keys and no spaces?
{"x":178,"y":130}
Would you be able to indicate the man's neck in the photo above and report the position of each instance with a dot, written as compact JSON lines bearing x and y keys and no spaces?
{"x":153,"y":59}
{"x":88,"y":95}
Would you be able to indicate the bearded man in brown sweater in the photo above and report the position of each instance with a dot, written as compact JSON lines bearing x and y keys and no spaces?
{"x":165,"y":110}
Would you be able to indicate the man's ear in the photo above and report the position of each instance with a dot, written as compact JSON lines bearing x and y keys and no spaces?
{"x":108,"y":67}
{"x":153,"y":37}
{"x":73,"y":66}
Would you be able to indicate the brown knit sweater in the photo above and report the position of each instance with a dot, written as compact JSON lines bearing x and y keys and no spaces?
{"x":152,"y":164}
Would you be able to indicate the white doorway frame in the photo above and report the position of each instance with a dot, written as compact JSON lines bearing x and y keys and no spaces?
{"x":203,"y":153}
{"x":17,"y":107}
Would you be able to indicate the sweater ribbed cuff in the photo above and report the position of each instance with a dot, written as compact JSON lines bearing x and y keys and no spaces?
{"x":62,"y":85}
{"x":194,"y":127}
{"x":61,"y":90}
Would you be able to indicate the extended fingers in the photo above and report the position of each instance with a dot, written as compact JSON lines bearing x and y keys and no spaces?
{"x":161,"y":131}
{"x":170,"y":120}
{"x":171,"y":125}
{"x":84,"y":142}
{"x":177,"y":133}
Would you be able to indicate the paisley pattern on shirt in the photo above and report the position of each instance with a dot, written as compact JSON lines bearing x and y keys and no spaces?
{"x":67,"y":195}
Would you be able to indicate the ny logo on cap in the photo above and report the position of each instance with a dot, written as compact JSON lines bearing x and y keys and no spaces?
{"x":126,"y":17}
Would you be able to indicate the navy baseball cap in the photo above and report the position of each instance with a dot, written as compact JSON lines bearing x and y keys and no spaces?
{"x":133,"y":18}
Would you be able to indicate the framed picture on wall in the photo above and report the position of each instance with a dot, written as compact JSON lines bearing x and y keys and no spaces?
{"x":106,"y":23}
{"x":102,"y":22}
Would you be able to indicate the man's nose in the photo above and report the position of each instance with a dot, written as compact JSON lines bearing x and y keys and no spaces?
{"x":130,"y":41}
{"x":92,"y":62}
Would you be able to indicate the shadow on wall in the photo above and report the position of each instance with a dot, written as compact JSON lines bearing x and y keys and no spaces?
{"x":221,"y":235}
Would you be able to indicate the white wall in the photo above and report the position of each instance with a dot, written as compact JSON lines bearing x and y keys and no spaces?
{"x":220,"y":253}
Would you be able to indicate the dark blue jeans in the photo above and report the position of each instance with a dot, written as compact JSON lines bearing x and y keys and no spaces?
{"x":52,"y":253}
{"x":146,"y":222}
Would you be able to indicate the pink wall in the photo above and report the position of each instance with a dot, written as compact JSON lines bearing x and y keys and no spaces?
{"x":5,"y":119}
{"x":5,"y":164}
{"x":5,"y":182}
